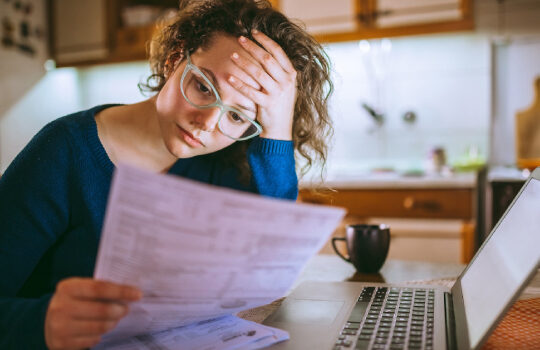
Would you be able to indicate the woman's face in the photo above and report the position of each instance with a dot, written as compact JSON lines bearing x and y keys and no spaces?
{"x":189,"y":131}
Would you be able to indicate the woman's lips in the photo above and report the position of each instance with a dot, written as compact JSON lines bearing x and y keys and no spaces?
{"x":189,"y":138}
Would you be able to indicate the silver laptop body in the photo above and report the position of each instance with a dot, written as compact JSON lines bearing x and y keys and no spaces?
{"x":326,"y":315}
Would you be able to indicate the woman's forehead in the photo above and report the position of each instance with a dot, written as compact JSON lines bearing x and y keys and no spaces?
{"x":216,"y":58}
{"x":220,"y":48}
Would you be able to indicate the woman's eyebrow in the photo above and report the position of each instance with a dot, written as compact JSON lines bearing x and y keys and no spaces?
{"x":212,"y":77}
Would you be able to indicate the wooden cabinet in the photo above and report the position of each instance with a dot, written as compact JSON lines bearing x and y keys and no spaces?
{"x":427,"y":218}
{"x":398,"y":203}
{"x":90,"y":32}
{"x":79,"y":30}
{"x":102,"y":31}
{"x":344,"y":20}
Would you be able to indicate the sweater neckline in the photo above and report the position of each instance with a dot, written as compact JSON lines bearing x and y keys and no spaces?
{"x":95,"y":143}
{"x":98,"y":150}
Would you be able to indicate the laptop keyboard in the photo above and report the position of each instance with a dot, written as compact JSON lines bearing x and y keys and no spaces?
{"x":390,"y":318}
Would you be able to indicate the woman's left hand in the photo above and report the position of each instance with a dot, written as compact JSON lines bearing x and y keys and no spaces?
{"x":277,"y":78}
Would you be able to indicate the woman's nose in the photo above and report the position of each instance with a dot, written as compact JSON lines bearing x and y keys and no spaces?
{"x":207,"y":119}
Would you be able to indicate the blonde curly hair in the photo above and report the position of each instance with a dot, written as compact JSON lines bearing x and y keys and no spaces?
{"x":195,"y":25}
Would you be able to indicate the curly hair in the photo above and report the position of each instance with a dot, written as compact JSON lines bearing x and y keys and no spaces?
{"x":195,"y":25}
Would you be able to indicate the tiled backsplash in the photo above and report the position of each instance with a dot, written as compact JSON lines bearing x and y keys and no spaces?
{"x":444,"y":80}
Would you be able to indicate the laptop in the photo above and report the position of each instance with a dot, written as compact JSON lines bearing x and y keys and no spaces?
{"x":353,"y":315}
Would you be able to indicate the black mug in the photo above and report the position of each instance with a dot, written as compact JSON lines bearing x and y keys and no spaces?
{"x":367,"y":246}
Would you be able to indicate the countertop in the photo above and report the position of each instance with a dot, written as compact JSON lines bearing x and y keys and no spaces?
{"x":507,"y":174}
{"x":394,"y":180}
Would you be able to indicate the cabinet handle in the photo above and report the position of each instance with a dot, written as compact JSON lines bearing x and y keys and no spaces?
{"x":408,"y":203}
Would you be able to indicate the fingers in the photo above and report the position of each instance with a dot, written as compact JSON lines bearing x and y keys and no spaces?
{"x":84,"y":328}
{"x":255,"y":95}
{"x":276,"y":51}
{"x":82,"y":342}
{"x":255,"y":71}
{"x":87,"y":288}
{"x":95,"y":310}
{"x":82,"y":309}
{"x":272,"y":67}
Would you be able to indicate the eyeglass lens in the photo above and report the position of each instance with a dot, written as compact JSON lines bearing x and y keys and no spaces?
{"x":199,"y":92}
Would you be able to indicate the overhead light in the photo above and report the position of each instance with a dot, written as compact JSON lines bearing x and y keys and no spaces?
{"x":364,"y":46}
{"x":49,"y":65}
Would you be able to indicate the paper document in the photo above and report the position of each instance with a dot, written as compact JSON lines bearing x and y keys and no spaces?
{"x":199,"y":252}
{"x":227,"y":332}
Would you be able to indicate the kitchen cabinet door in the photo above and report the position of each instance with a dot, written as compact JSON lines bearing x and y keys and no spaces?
{"x":322,"y":16}
{"x":103,"y":31}
{"x":393,"y":13}
{"x":79,"y":30}
{"x":345,"y":20}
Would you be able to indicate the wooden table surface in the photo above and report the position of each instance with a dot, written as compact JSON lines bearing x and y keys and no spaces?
{"x":330,"y":268}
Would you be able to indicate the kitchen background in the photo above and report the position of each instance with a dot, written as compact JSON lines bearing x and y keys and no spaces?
{"x":458,"y":91}
{"x":462,"y":88}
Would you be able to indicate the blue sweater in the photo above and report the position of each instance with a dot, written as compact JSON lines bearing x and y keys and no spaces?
{"x":52,"y":205}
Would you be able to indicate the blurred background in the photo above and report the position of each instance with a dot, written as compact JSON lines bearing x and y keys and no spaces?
{"x":425,"y":102}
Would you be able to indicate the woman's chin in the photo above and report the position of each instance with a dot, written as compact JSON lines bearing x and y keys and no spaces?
{"x":181,"y":150}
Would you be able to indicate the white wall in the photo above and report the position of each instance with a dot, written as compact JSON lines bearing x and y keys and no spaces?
{"x":54,"y":95}
{"x":20,"y":71}
{"x":63,"y":91}
{"x":113,"y":83}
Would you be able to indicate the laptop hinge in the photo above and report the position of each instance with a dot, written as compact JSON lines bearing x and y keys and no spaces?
{"x":450,"y":322}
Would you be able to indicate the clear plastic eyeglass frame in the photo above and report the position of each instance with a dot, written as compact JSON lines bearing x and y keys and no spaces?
{"x":218,"y":103}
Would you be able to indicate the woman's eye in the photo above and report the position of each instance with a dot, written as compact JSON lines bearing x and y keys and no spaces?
{"x":235,"y":117}
{"x":203,"y":88}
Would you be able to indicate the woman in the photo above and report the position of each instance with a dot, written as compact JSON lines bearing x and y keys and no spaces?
{"x":239,"y":89}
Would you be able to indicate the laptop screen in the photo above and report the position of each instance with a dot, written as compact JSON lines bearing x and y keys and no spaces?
{"x":507,"y":259}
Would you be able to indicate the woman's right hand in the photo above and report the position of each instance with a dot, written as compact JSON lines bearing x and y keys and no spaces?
{"x":82,"y":309}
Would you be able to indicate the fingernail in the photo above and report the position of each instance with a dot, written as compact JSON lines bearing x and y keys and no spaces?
{"x":243,"y":38}
{"x":120,"y":310}
{"x":234,"y":55}
{"x":135,"y":294}
{"x":255,"y":31}
{"x":232,"y":79}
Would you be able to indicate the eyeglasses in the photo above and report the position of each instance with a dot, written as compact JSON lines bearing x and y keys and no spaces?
{"x":199,"y":92}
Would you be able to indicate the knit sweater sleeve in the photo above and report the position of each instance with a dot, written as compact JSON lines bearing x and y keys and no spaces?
{"x":273,"y":168}
{"x":34,"y":211}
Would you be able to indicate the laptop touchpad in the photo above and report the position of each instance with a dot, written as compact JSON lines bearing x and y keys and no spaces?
{"x":307,"y":311}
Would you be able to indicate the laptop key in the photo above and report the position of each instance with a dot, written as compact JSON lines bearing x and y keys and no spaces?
{"x":361,"y":345}
{"x":358,"y":311}
{"x":352,"y":325}
{"x":345,"y":343}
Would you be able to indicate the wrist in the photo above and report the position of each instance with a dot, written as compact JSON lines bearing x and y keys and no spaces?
{"x":278,"y":133}
{"x":285,"y":136}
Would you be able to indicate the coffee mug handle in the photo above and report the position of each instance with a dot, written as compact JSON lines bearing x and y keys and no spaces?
{"x":334,"y":239}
